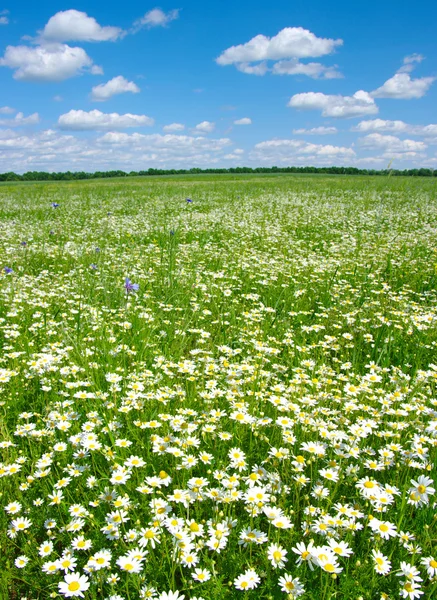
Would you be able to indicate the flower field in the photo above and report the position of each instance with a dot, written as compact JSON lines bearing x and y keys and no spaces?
{"x":218,"y":388}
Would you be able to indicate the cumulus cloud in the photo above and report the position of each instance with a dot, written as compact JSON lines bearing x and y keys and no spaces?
{"x":390,"y":144}
{"x":313,"y":69}
{"x":243,"y":121}
{"x":162,"y":141}
{"x":4,"y":20}
{"x":291,"y":42}
{"x":173,"y":127}
{"x":116,"y":85}
{"x":257,"y":69}
{"x":283,"y":151}
{"x":400,"y":127}
{"x":73,"y":25}
{"x":403,"y":87}
{"x":156,"y":18}
{"x":316,"y":131}
{"x":19,"y":120}
{"x":360,"y":104}
{"x":287,"y":47}
{"x":205,"y":127}
{"x":81,"y":120}
{"x":7,"y":110}
{"x":53,"y":62}
{"x":381,"y":125}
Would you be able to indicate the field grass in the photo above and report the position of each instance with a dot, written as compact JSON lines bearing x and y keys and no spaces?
{"x":227,"y":397}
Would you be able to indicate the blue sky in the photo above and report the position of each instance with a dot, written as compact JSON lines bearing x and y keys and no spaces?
{"x":98,"y":86}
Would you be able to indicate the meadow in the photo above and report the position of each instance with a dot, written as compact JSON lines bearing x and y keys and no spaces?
{"x":218,"y":387}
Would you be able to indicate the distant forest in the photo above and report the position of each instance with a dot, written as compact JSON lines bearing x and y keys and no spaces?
{"x":73,"y":176}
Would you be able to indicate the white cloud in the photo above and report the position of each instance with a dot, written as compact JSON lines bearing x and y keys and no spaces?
{"x":7,"y":110}
{"x":205,"y":127}
{"x":163,"y":141}
{"x":401,"y":86}
{"x":73,"y":25}
{"x":19,"y":120}
{"x":283,"y":151}
{"x":390,"y":144}
{"x":316,"y":131}
{"x":243,"y":121}
{"x":173,"y":127}
{"x":360,"y":104}
{"x":381,"y":125}
{"x":291,"y":42}
{"x":156,"y":18}
{"x":80,"y":120}
{"x":396,"y":127}
{"x":312,"y":69}
{"x":410,"y":62}
{"x":58,"y":98}
{"x":4,"y":20}
{"x":116,"y":85}
{"x":53,"y":62}
{"x":258,"y":69}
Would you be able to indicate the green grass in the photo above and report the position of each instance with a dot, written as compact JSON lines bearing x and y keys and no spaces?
{"x":272,"y":313}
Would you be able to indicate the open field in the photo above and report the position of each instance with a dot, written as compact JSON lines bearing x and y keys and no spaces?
{"x":229,"y":397}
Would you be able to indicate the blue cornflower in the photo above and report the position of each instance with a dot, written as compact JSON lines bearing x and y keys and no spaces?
{"x":93,"y":267}
{"x":23,"y":244}
{"x":97,"y":249}
{"x":55,"y":205}
{"x":7,"y":270}
{"x":130,"y":287}
{"x":188,"y":199}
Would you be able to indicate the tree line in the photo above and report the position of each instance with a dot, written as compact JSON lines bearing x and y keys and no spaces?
{"x":77,"y":175}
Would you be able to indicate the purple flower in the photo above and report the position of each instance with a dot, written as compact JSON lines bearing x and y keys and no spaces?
{"x":93,"y":267}
{"x":130,"y":287}
{"x":7,"y":270}
{"x":23,"y":243}
{"x":97,"y":249}
{"x":188,"y":199}
{"x":55,"y":205}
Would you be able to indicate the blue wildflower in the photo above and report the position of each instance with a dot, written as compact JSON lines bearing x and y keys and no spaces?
{"x":130,"y":287}
{"x":55,"y":205}
{"x":7,"y":270}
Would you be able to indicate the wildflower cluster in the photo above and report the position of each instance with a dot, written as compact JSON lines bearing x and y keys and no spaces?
{"x":200,"y":401}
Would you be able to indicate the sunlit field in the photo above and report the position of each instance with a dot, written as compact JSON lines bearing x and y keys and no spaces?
{"x":219,"y":388}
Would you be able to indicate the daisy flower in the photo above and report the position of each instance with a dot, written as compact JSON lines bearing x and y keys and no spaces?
{"x":73,"y":585}
{"x":247,"y":581}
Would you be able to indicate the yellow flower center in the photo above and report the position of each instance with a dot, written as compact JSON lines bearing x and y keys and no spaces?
{"x":73,"y":586}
